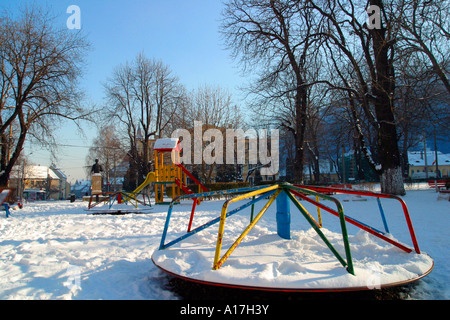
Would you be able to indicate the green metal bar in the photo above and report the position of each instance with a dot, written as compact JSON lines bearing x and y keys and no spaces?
{"x":320,"y":233}
{"x":342,"y":221}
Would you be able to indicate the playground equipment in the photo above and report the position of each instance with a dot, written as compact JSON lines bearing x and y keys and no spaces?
{"x":169,"y":173}
{"x":283,"y":195}
{"x":118,"y":203}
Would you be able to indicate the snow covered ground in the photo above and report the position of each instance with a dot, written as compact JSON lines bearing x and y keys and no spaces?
{"x":56,"y":250}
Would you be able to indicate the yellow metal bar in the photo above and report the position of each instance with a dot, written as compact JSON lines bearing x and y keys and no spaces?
{"x":219,"y":263}
{"x":224,"y":214}
{"x":156,"y":166}
{"x":135,"y":204}
{"x":319,"y":215}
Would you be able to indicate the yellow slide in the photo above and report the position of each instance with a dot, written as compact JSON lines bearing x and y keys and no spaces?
{"x":151,"y":177}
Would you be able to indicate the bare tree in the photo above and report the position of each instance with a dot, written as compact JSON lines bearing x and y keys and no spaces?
{"x":274,"y":38}
{"x":365,"y":71}
{"x":39,"y":69}
{"x":425,"y":30}
{"x":142,"y":96}
{"x":421,"y":103}
{"x":214,"y":108}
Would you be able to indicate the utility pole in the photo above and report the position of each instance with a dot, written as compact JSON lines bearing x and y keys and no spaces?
{"x":436,"y":157}
{"x":425,"y":155}
{"x":343,"y":164}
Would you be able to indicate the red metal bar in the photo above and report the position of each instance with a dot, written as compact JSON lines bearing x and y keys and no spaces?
{"x":377,"y":195}
{"x":350,"y":220}
{"x":192,"y":214}
{"x":188,"y":191}
{"x":192,"y":177}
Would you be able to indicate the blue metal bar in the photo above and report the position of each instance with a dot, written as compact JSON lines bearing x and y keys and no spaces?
{"x":283,"y":216}
{"x":382,"y":215}
{"x":197,"y":195}
{"x":206,"y":225}
{"x":6,"y":206}
{"x":111,"y":199}
{"x":365,"y":225}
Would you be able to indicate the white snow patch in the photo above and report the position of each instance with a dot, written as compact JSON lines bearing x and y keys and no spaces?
{"x":56,"y":250}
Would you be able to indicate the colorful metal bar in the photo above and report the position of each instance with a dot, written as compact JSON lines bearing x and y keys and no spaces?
{"x":206,"y":225}
{"x":198,"y":196}
{"x":347,"y":264}
{"x":377,"y":195}
{"x":216,"y":193}
{"x":218,"y":262}
{"x":223,"y":216}
{"x":111,"y":197}
{"x":319,"y":215}
{"x":356,"y":223}
{"x":386,"y":228}
{"x":300,"y":207}
{"x":194,"y":204}
{"x":342,"y":220}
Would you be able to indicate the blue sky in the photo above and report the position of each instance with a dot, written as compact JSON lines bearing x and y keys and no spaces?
{"x":182,"y":33}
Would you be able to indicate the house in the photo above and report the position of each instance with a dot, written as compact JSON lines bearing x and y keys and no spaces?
{"x":327,"y":171}
{"x":39,"y":183}
{"x":63,"y":187}
{"x":422,"y":165}
{"x":81,"y":188}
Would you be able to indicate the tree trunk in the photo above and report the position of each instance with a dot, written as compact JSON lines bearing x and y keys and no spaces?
{"x":4,"y":176}
{"x":300,"y":124}
{"x":383,"y":90}
{"x":392,"y":181}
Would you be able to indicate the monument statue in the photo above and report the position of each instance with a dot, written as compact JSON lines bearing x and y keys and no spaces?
{"x":96,"y":178}
{"x":96,"y":168}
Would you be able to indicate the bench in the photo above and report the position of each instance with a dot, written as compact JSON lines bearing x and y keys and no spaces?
{"x":441,"y":184}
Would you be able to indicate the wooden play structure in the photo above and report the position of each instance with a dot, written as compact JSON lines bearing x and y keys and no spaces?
{"x":169,"y":172}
